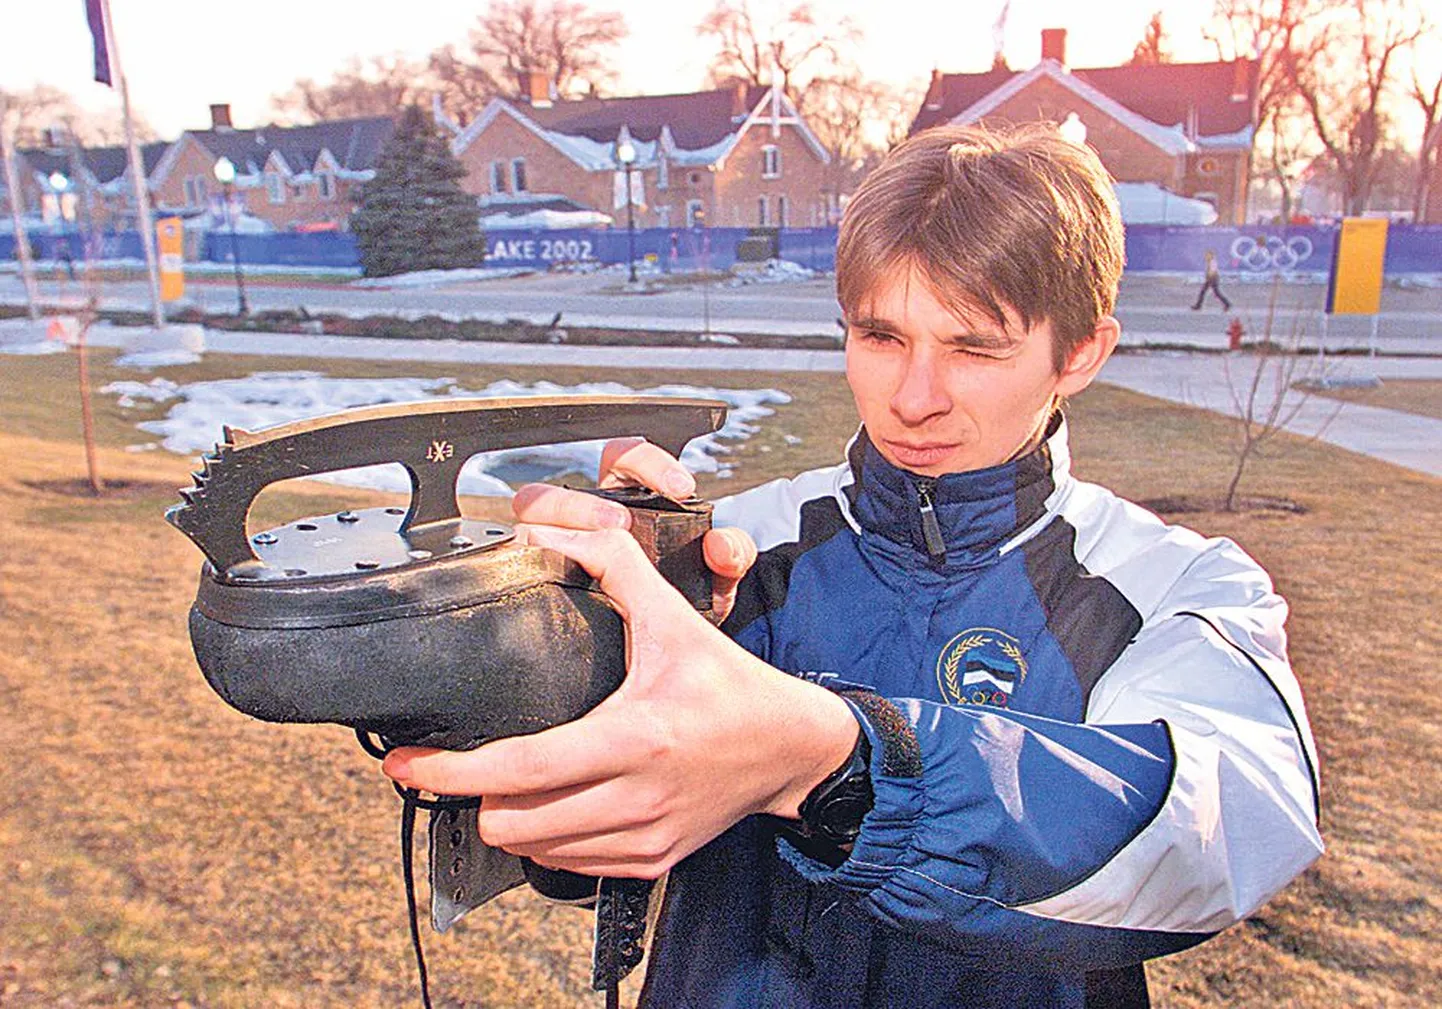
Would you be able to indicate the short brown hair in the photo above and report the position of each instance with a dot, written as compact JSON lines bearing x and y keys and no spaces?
{"x":991,"y":218}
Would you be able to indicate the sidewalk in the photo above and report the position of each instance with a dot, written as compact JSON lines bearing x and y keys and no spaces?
{"x":1198,"y":380}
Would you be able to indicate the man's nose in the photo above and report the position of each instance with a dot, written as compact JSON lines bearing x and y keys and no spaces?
{"x":921,"y":393}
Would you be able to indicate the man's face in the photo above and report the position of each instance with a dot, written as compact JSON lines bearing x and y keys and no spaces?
{"x":940,"y":393}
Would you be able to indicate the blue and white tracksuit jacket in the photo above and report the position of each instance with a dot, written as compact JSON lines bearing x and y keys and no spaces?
{"x":1087,"y":747}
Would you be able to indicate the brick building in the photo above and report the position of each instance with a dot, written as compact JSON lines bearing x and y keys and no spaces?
{"x":1187,"y":127}
{"x":97,"y":182}
{"x":741,"y":156}
{"x":290,"y":176}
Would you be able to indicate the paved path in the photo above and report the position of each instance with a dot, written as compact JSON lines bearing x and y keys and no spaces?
{"x":1200,"y":380}
{"x":1154,"y":311}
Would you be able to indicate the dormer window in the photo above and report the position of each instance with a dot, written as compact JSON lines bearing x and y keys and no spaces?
{"x":275,"y":187}
{"x":771,"y":162}
{"x":325,"y":185}
{"x":663,"y":173}
{"x":518,"y":174}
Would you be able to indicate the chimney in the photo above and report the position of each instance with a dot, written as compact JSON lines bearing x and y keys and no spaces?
{"x":220,"y":117}
{"x":738,"y":98}
{"x":1240,"y":89}
{"x":933,"y":91}
{"x":1053,"y":44}
{"x":536,"y":89}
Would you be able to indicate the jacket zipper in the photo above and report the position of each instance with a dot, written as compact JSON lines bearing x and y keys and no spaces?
{"x":930,"y":527}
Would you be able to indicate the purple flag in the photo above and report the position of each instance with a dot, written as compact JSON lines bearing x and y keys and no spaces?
{"x":95,"y":14}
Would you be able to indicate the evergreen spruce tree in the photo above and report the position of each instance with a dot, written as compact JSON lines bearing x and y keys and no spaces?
{"x":414,"y":215}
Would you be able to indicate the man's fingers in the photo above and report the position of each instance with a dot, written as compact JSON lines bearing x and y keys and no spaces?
{"x":615,"y":560}
{"x":729,"y":552}
{"x":544,"y":504}
{"x":635,"y":461}
{"x":560,"y":757}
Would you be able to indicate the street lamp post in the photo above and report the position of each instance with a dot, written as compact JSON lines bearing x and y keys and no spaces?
{"x":60,"y":185}
{"x":626,"y":154}
{"x":225,"y":175}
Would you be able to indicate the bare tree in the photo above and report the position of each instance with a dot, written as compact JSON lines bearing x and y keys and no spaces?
{"x":380,"y":86}
{"x":563,"y":39}
{"x":1153,"y":47}
{"x":1266,"y":402}
{"x":1345,"y":86}
{"x":792,"y":45}
{"x":847,"y":113}
{"x":1271,"y":33}
{"x":36,"y":111}
{"x":1429,"y":98}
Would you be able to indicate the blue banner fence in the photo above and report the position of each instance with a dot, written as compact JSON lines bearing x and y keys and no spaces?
{"x":1150,"y":248}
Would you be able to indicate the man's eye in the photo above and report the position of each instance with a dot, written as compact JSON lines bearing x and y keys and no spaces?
{"x":875,"y":336}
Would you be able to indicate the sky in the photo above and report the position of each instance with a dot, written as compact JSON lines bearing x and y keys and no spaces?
{"x":182,"y":55}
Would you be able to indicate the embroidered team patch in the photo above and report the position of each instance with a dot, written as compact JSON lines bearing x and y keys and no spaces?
{"x":981,"y":665}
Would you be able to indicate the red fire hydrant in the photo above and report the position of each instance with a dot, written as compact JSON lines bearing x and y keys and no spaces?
{"x":1235,"y":332}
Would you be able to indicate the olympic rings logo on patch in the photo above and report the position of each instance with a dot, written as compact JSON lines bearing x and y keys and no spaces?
{"x":1271,"y":252}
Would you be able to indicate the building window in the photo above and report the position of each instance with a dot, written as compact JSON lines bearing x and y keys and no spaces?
{"x":781,"y":211}
{"x":275,"y":187}
{"x":325,"y":185}
{"x":498,"y":176}
{"x":771,"y":162}
{"x":694,"y":178}
{"x":518,"y":174}
{"x":695,"y":213}
{"x":663,"y":173}
{"x":195,"y":191}
{"x":761,"y":216}
{"x":663,"y":217}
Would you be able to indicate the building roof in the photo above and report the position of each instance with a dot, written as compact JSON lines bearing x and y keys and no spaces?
{"x":697,"y":119}
{"x":1197,"y":97}
{"x":106,"y":164}
{"x":354,"y":143}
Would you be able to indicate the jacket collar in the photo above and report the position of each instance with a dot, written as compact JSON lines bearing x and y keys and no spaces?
{"x":976,"y":514}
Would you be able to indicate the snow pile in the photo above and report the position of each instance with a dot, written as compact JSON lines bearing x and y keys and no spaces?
{"x":261,"y":400}
{"x":33,"y":348}
{"x":1149,"y":203}
{"x":775,"y":271}
{"x":245,"y":224}
{"x":156,"y":358}
{"x":546,"y":220}
{"x":437,"y":278}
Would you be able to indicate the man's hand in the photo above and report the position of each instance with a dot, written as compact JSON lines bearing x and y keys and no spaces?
{"x":699,"y":735}
{"x":631,"y":462}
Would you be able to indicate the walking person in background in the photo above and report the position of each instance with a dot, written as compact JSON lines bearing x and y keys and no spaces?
{"x":1212,"y":283}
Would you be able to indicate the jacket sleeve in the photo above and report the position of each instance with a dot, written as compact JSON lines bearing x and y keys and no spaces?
{"x":1184,"y":801}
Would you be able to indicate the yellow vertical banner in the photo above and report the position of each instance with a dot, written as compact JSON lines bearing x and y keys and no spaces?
{"x":170,"y":242}
{"x":1357,"y":267}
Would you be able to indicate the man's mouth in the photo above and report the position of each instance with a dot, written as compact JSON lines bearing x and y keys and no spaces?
{"x":919,"y":453}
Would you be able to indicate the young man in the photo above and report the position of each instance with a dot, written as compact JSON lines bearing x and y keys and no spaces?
{"x":1030,"y":735}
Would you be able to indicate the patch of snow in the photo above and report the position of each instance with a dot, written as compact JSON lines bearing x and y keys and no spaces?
{"x":775,"y":271}
{"x":1149,"y":203}
{"x":726,"y":339}
{"x":264,"y":399}
{"x":437,"y":278}
{"x":157,"y":359}
{"x":546,"y":219}
{"x":144,"y":446}
{"x":33,"y":349}
{"x":245,"y":224}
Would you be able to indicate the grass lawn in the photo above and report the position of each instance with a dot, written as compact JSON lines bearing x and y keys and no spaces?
{"x":1410,"y":395}
{"x":158,"y":848}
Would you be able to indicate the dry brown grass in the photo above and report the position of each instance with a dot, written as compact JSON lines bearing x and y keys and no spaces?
{"x":157,"y":847}
{"x":1410,"y":395}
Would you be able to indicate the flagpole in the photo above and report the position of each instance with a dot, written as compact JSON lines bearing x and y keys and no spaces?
{"x":22,"y":242}
{"x":137,"y":173}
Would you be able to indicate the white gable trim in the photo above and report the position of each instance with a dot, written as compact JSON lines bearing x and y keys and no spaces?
{"x":167,"y":161}
{"x":1169,"y":139}
{"x":325,"y":161}
{"x":790,"y":117}
{"x":279,"y":162}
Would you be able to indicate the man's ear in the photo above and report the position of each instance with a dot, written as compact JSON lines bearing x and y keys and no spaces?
{"x":1088,"y":357}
